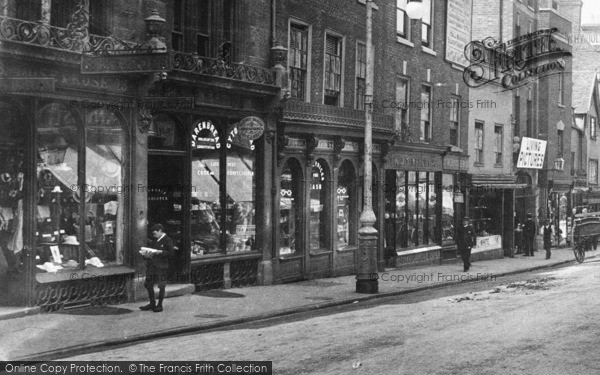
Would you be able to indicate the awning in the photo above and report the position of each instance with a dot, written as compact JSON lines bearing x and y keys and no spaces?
{"x":496,"y":182}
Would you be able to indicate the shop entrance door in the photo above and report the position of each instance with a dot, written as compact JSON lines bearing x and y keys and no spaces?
{"x":167,"y":193}
{"x":16,"y":177}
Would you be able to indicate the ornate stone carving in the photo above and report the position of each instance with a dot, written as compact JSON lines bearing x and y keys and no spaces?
{"x":311,"y":144}
{"x":338,"y":145}
{"x":145,"y":119}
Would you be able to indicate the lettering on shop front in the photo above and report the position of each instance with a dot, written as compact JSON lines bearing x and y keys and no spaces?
{"x":423,"y":163}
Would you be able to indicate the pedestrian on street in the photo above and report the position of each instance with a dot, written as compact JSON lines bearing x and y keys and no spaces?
{"x":547,"y":231}
{"x":466,"y":239}
{"x":519,"y":238}
{"x":529,"y":235}
{"x":157,"y":267}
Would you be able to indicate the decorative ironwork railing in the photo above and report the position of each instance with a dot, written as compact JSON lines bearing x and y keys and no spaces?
{"x":75,"y":37}
{"x":303,"y":111}
{"x":194,"y":63}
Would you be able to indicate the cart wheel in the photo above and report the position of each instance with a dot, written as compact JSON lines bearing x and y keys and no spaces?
{"x":579,"y":251}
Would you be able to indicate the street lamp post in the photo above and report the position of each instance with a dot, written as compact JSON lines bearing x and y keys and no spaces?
{"x":366,"y":269}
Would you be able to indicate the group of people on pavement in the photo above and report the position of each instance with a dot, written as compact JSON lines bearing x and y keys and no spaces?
{"x":466,"y":239}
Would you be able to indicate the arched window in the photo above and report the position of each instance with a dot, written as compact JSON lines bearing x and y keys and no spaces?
{"x":290,"y":213}
{"x":223,"y":190}
{"x":346,"y":217}
{"x":319,"y":206}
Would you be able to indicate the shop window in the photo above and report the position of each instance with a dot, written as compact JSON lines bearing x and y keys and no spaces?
{"x":484,"y":212}
{"x":58,"y":192}
{"x":415,"y":200}
{"x":290,"y":213}
{"x":223,"y":191}
{"x":240,"y":193}
{"x":448,"y":208}
{"x":346,"y":214}
{"x":298,"y":57}
{"x":319,"y":207}
{"x":104,"y":220}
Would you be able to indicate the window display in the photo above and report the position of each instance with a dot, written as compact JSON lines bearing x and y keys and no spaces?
{"x":412,"y":197}
{"x":447,"y":208}
{"x":346,"y":208}
{"x":223,"y":191}
{"x":60,"y":192}
{"x":318,"y":219}
{"x":289,"y":209}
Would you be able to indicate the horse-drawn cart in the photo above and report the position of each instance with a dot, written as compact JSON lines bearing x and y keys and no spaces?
{"x":585,"y":234}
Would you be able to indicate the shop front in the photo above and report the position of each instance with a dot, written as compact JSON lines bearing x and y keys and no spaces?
{"x":414,"y":220}
{"x":454,"y":197}
{"x":319,"y":191}
{"x":65,"y":195}
{"x":491,"y":209}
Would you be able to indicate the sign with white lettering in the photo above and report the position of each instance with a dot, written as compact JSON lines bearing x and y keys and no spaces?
{"x":458,"y":31}
{"x":532,"y":153}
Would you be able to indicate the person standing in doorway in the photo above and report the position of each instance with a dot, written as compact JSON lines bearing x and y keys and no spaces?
{"x":157,"y":267}
{"x":547,"y":232}
{"x":529,"y":235}
{"x":466,"y":239}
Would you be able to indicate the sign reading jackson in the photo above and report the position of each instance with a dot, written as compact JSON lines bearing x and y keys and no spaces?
{"x":532,"y":153}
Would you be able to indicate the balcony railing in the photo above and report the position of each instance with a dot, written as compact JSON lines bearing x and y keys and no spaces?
{"x":297,"y":110}
{"x":194,"y":63}
{"x":75,"y":37}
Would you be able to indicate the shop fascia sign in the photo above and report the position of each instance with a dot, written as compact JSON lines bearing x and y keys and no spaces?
{"x":532,"y":153}
{"x":125,"y":63}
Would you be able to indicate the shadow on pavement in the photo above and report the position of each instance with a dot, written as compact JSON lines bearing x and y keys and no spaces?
{"x":219,"y":294}
{"x":97,"y":310}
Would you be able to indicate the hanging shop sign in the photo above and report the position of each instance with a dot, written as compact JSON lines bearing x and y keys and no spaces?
{"x":251,"y":128}
{"x":125,"y":63}
{"x":458,"y":31}
{"x":532,"y":153}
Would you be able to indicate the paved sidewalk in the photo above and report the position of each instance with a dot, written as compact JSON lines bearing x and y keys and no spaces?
{"x":45,"y":336}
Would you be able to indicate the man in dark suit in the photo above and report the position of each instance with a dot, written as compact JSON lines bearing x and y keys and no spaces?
{"x":465,"y":240}
{"x":529,"y":235}
{"x":157,"y":267}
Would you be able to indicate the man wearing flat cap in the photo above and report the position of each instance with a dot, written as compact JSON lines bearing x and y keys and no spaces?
{"x":466,"y":239}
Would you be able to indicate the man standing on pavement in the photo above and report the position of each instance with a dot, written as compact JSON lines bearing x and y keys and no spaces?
{"x":529,"y":235}
{"x":157,"y":267}
{"x":466,"y":239}
{"x":547,"y":231}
